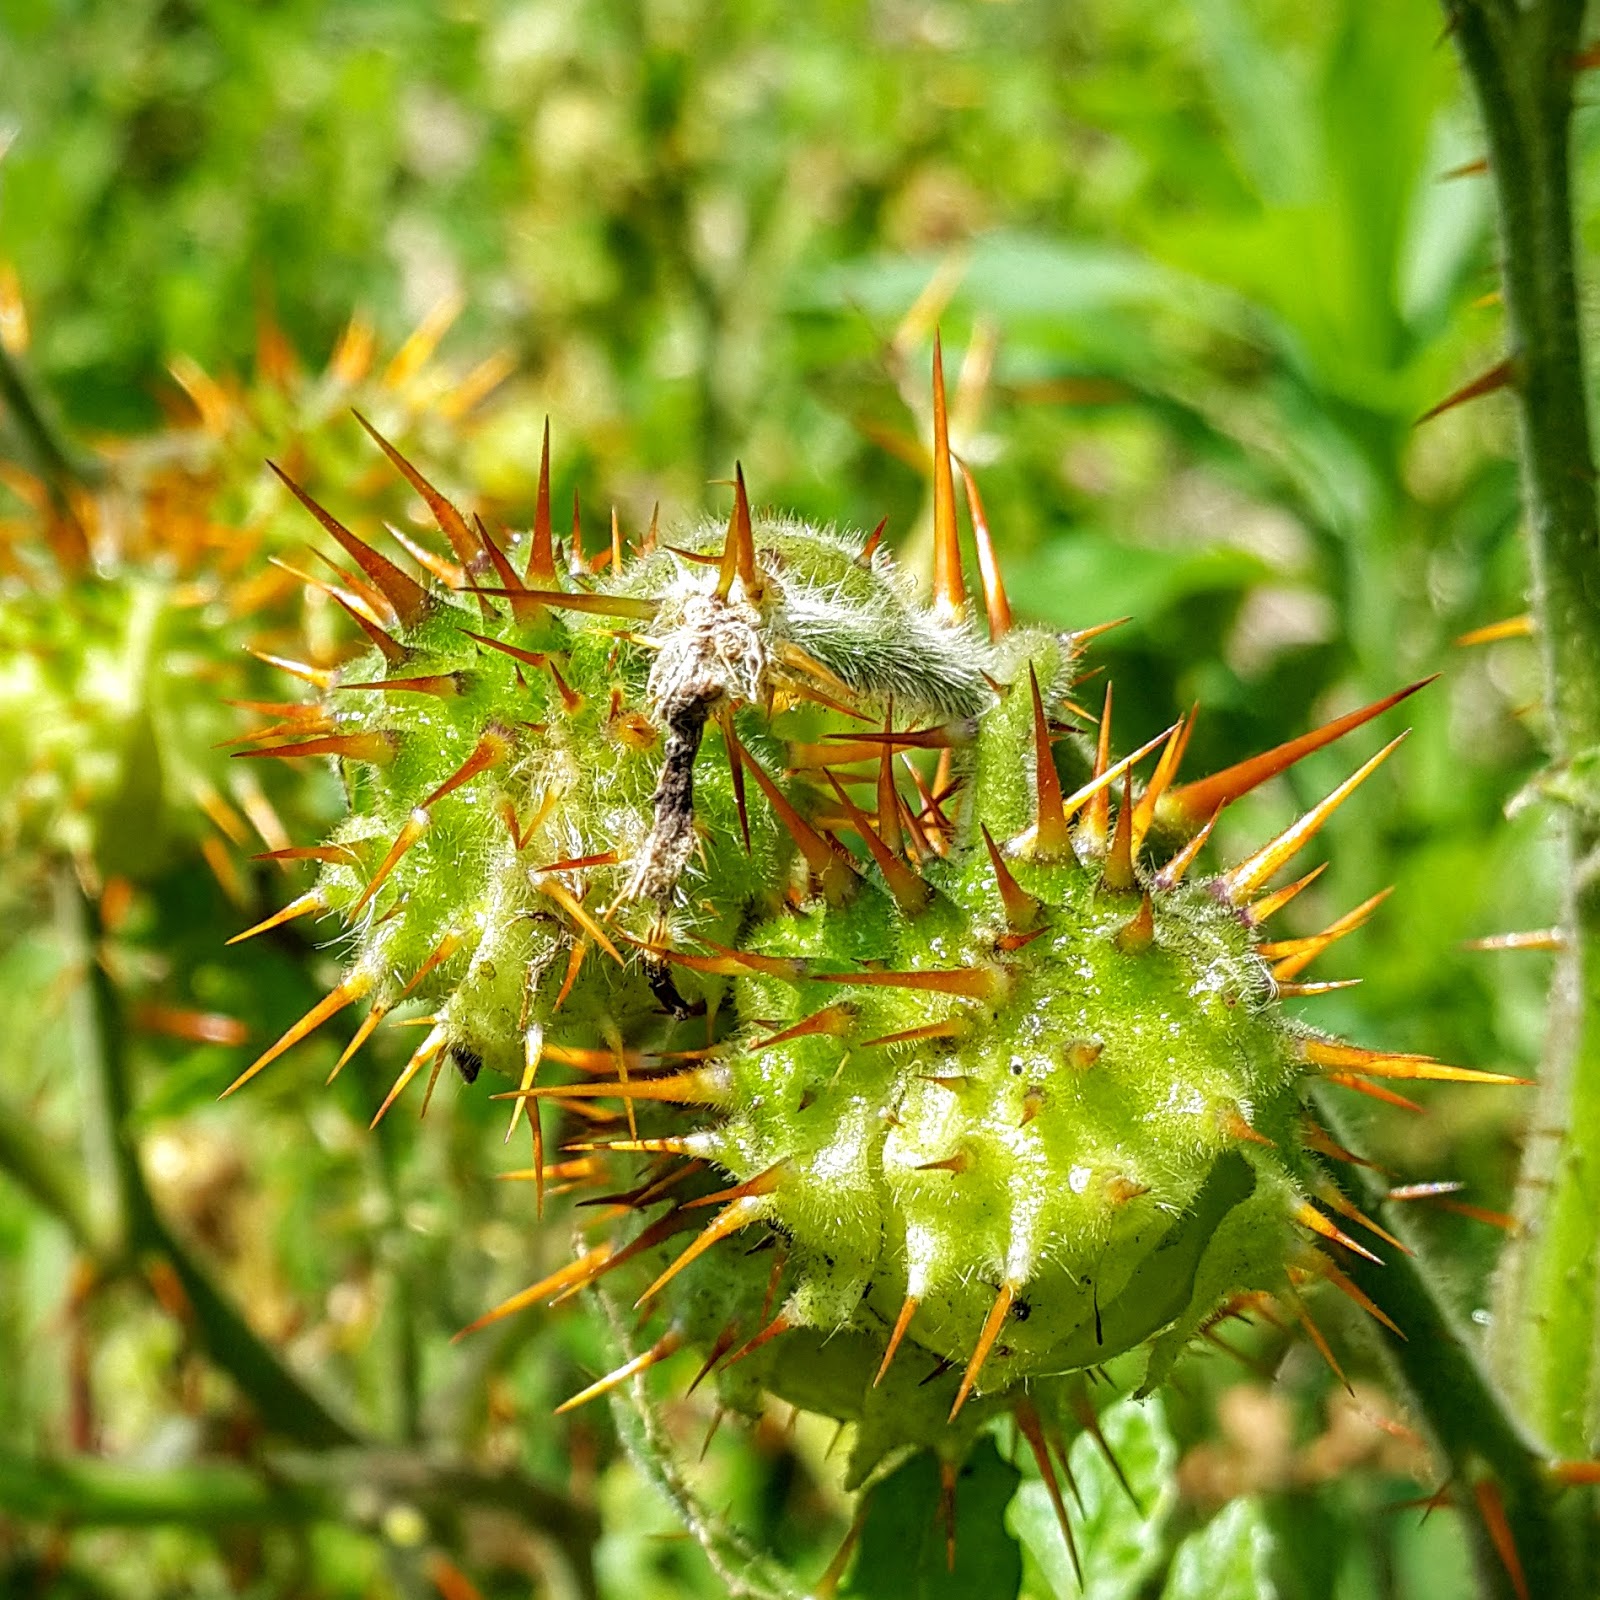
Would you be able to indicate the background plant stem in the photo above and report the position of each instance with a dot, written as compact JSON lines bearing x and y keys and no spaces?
{"x":1519,"y":59}
{"x":1475,"y":1433}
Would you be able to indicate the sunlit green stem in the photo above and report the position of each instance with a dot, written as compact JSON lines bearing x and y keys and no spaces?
{"x":1520,"y":60}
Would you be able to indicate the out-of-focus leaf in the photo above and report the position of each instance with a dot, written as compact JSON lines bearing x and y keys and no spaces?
{"x":1225,"y":1560}
{"x":1120,"y":1545}
{"x":903,"y":1552}
{"x":1090,"y":578}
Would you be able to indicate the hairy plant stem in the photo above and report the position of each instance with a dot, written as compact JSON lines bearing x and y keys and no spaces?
{"x":1519,"y":56}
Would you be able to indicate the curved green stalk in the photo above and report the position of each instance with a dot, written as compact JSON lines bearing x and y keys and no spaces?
{"x":1520,"y":58}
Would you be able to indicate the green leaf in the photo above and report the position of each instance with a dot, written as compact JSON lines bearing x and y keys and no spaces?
{"x":1225,"y":1560}
{"x":1119,"y":1544}
{"x":903,"y":1541}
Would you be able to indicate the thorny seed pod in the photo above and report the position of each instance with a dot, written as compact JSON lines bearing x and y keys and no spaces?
{"x":1010,"y":1087}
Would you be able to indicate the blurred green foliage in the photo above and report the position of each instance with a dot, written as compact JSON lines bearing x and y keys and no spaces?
{"x":1201,"y":271}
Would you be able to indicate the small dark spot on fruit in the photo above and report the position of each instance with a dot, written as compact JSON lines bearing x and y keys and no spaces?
{"x":1021,"y":1309}
{"x":467,"y":1062}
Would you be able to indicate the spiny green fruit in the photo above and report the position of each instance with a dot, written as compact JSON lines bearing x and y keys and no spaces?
{"x":526,"y":779}
{"x":127,"y":601}
{"x":1009,"y":1088}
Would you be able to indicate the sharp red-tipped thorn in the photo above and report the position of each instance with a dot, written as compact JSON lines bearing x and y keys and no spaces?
{"x":874,"y":539}
{"x":468,"y":548}
{"x":556,"y":890}
{"x":541,"y":552}
{"x":1336,"y":1277}
{"x":740,"y":1214}
{"x":735,"y":771}
{"x":1263,"y":908}
{"x":369,"y":1025}
{"x":1031,"y":1429}
{"x":1324,"y":1349}
{"x":834,"y":1021}
{"x":529,"y":658}
{"x":762,"y":1183}
{"x":1242,"y":881}
{"x":996,"y":606}
{"x":1051,"y":840}
{"x":837,"y":878}
{"x":1171,"y":759}
{"x":949,"y":589}
{"x":409,"y":599}
{"x":668,"y":1344}
{"x":1331,"y":1197}
{"x":911,"y":892}
{"x":1348,"y":1058}
{"x":951,"y":1028}
{"x":1172,"y":874}
{"x":431,"y":1047}
{"x":576,"y":565}
{"x":1095,"y":827}
{"x":450,"y":573}
{"x":323,"y":678}
{"x":1117,"y":873}
{"x":1135,"y":937}
{"x":582,"y":1271}
{"x":739,"y":547}
{"x":992,"y":1325}
{"x":946,"y":736}
{"x":441,"y":685}
{"x":1308,"y":1216}
{"x":338,"y":855}
{"x":1319,"y":1139}
{"x":1502,"y":375}
{"x":494,"y":746}
{"x":364,"y":602}
{"x":394,"y":653}
{"x":1492,"y":1508}
{"x":908,"y":1310}
{"x":1084,"y":636}
{"x":571,"y":700}
{"x":311,"y":901}
{"x":727,"y":963}
{"x":781,"y":1323}
{"x":1290,"y":957}
{"x":725,"y":1341}
{"x":598,"y":605}
{"x":416,"y":825}
{"x":354,"y":987}
{"x":1374,"y":1091}
{"x":1021,"y":908}
{"x":704,"y":1088}
{"x":617,"y":546}
{"x":1550,"y":939}
{"x":375,"y":748}
{"x":1493,"y":632}
{"x":1194,"y":802}
{"x":967,"y":983}
{"x":525,"y":611}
